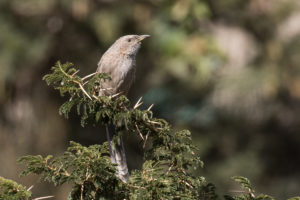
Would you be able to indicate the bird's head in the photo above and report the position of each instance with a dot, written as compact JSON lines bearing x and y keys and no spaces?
{"x":129,"y":44}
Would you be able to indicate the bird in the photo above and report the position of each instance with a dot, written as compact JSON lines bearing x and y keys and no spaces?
{"x":119,"y":62}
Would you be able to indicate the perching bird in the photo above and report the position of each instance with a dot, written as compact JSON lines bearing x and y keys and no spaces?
{"x":119,"y":63}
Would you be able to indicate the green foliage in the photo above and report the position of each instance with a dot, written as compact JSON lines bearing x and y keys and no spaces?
{"x":208,"y":191}
{"x":245,"y":183}
{"x":88,"y":168}
{"x":12,"y":190}
{"x":186,"y":65}
{"x":169,"y":159}
{"x":64,"y":79}
{"x":249,"y":194}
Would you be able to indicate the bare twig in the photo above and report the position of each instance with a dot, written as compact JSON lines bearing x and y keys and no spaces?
{"x":137,"y":128}
{"x":138,"y":103}
{"x":75,"y":73}
{"x":95,"y":96}
{"x":88,"y":76}
{"x":83,"y":90}
{"x":83,"y":84}
{"x":170,"y":168}
{"x":153,"y":122}
{"x":30,"y":188}
{"x":150,"y":107}
{"x":146,"y":138}
{"x":117,"y":94}
{"x":46,"y":197}
{"x":189,"y":185}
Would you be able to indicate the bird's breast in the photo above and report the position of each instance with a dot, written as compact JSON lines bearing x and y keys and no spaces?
{"x":126,"y":70}
{"x":125,"y":67}
{"x":122,"y":73}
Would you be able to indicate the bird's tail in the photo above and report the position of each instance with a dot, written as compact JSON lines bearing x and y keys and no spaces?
{"x":117,"y":154}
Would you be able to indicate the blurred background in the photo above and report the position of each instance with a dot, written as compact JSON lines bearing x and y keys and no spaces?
{"x":226,"y":70}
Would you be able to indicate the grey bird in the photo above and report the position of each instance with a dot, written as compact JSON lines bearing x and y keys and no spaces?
{"x":120,"y":64}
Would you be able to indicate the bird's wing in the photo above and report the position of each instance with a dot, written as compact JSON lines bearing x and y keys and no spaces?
{"x":109,"y":64}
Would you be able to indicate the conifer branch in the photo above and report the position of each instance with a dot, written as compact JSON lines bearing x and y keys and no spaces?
{"x":169,"y":160}
{"x":88,"y":76}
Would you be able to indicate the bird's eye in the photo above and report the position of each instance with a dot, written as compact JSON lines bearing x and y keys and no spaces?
{"x":129,"y":40}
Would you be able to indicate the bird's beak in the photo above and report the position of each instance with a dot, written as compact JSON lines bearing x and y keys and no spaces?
{"x":141,"y":37}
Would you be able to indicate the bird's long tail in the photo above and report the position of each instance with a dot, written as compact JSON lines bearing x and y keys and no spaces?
{"x":117,"y":154}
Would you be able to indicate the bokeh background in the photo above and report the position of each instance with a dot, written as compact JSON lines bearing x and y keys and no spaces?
{"x":227,"y":70}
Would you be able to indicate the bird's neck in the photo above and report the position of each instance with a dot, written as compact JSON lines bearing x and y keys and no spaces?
{"x":128,"y":56}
